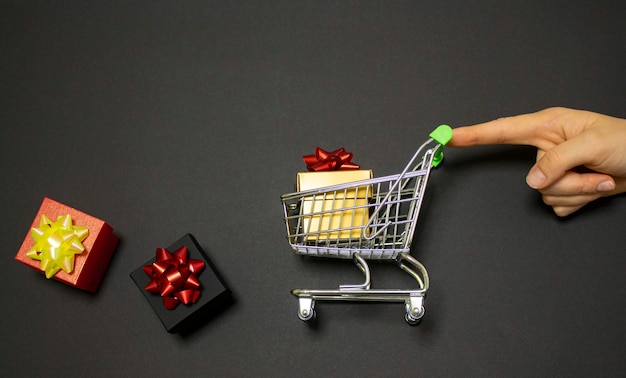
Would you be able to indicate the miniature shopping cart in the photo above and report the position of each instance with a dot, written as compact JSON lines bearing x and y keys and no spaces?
{"x":370,"y":219}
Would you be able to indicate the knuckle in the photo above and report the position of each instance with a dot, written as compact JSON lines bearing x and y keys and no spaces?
{"x":549,"y":200}
{"x":552,"y":158}
{"x":563,"y":211}
{"x":582,"y":187}
{"x":556,"y":109}
{"x":559,"y":211}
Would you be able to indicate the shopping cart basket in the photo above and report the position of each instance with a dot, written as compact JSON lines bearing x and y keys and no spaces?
{"x":329,"y":222}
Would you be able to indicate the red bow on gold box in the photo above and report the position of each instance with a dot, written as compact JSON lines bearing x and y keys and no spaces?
{"x":341,"y":214}
{"x":336,"y":160}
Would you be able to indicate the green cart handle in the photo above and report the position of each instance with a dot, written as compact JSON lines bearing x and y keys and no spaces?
{"x":442,"y":135}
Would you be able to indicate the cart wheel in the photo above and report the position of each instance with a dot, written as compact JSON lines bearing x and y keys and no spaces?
{"x":414,"y":320}
{"x":307,"y":315}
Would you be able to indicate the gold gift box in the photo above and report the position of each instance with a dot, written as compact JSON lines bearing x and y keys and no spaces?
{"x":333,"y":221}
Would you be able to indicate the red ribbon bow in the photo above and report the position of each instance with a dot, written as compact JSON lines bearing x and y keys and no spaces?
{"x":336,"y":160}
{"x":175,"y":277}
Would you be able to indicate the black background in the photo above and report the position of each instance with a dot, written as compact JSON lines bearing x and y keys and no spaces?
{"x":168,"y":117}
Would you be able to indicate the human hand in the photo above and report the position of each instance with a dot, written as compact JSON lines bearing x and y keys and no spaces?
{"x":567,"y":140}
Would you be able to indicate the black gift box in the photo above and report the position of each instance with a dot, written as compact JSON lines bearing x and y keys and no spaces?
{"x":214,"y":295}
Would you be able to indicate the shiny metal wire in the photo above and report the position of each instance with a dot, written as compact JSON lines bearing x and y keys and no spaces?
{"x":372,"y":219}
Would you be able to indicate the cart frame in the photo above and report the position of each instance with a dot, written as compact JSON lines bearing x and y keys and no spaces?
{"x":384,"y":230}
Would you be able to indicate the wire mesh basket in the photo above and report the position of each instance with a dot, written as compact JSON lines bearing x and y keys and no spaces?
{"x":372,"y":219}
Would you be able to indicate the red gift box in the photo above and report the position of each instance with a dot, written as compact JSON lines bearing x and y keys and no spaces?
{"x":90,"y":264}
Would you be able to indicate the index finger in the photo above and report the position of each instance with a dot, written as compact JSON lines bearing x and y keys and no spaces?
{"x":521,"y":129}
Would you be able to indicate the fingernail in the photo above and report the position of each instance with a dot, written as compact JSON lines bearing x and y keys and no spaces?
{"x":535,"y":178}
{"x":605,"y":186}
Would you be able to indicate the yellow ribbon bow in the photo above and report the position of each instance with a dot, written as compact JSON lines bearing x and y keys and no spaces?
{"x":56,"y":244}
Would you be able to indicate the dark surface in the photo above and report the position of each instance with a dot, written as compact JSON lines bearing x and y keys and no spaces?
{"x":164,"y":118}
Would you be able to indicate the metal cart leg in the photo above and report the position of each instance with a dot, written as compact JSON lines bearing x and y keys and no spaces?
{"x":412,"y":299}
{"x":363,"y":267}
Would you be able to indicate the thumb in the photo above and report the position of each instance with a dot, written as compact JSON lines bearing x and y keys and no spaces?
{"x":552,"y":164}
